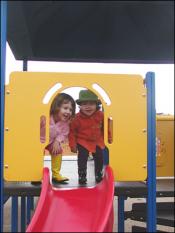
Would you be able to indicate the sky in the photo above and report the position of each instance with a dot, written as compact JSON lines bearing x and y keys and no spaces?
{"x":164,"y":75}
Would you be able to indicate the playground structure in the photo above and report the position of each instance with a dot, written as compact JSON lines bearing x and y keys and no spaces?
{"x":39,"y":84}
{"x":131,"y":189}
{"x":142,"y":162}
{"x":20,"y":100}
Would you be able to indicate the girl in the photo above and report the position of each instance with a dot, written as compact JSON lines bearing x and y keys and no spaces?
{"x":86,"y":134}
{"x":61,"y":111}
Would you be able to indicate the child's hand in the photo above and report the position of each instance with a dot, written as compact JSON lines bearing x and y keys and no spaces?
{"x":56,"y":148}
{"x":74,"y":149}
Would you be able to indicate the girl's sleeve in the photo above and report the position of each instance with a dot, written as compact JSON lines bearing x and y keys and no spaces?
{"x":60,"y":138}
{"x":102,"y":119}
{"x":52,"y":130}
{"x":73,"y":133}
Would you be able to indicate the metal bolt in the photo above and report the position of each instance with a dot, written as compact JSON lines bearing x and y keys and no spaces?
{"x":6,"y":129}
{"x":143,"y":94}
{"x":144,"y":166}
{"x":6,"y":166}
{"x":144,"y":130}
{"x":7,"y":92}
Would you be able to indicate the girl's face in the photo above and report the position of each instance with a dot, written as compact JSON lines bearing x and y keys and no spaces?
{"x":88,"y":107}
{"x":65,"y":111}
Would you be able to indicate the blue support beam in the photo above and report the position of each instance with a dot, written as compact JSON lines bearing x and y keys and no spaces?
{"x":121,"y":214}
{"x":32,"y":203}
{"x":29,"y":208}
{"x":14,"y":214}
{"x":106,"y":156}
{"x":23,"y":199}
{"x":25,"y":65}
{"x":151,"y":162}
{"x":23,"y":214}
{"x":3,"y":65}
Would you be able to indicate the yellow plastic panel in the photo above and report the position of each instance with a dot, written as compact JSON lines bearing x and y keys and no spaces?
{"x":165,"y":146}
{"x":23,"y":108}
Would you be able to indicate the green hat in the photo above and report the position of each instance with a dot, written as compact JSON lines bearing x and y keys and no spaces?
{"x":87,"y":95}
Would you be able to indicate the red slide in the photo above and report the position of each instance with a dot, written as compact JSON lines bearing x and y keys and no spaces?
{"x":85,"y":209}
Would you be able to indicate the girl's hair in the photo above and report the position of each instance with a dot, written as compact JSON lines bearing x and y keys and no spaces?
{"x":60,"y":99}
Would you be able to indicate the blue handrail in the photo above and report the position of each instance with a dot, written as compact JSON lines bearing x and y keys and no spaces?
{"x":3,"y":64}
{"x":151,"y":148}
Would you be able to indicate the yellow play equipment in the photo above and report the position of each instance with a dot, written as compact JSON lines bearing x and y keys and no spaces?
{"x":165,"y":146}
{"x":24,"y":106}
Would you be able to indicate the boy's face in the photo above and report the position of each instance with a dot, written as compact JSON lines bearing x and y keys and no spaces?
{"x":88,"y":107}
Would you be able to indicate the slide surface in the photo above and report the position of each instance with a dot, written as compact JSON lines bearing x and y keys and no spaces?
{"x":84,"y":209}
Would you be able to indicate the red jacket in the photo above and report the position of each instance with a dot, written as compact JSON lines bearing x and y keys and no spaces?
{"x":87,"y":131}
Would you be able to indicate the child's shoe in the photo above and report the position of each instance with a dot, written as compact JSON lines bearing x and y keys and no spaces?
{"x":59,"y":179}
{"x":99,"y":177}
{"x":56,"y":167}
{"x":37,"y":183}
{"x":82,"y":177}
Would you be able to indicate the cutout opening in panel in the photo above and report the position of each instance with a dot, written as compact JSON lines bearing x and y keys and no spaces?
{"x":69,"y":158}
{"x":103,"y":93}
{"x":51,"y":92}
{"x":42,"y":129}
{"x":110,"y":130}
{"x":74,"y":92}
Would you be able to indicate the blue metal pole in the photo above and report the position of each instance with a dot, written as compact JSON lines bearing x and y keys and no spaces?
{"x":23,"y":199}
{"x":14,"y":214}
{"x":121,"y":214}
{"x":30,"y":200}
{"x":23,"y":214}
{"x":25,"y":65}
{"x":151,"y":148}
{"x":106,"y":156}
{"x":3,"y":65}
{"x":29,"y":208}
{"x":32,"y":203}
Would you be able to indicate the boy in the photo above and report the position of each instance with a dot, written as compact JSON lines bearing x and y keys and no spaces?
{"x":86,"y":134}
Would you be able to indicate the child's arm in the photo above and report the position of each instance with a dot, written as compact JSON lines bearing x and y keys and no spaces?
{"x":52,"y":130}
{"x":72,"y":135}
{"x":102,"y":119}
{"x":56,"y":148}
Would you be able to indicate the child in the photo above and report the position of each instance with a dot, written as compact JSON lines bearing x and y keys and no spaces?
{"x":86,"y":134}
{"x":61,"y":111}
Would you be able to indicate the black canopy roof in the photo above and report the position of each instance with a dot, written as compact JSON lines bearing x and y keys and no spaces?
{"x":93,"y":31}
